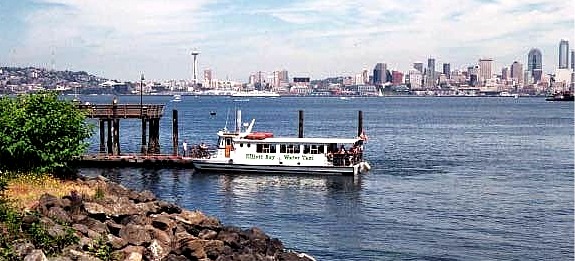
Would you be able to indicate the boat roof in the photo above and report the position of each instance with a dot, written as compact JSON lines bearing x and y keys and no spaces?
{"x":301,"y":140}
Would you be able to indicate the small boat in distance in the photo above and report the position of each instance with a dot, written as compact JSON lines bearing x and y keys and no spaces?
{"x":177,"y":98}
{"x":244,"y":150}
{"x":561,"y":96}
{"x":256,"y":93}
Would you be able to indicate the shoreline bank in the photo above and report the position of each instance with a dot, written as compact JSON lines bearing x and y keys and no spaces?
{"x":117,"y":223}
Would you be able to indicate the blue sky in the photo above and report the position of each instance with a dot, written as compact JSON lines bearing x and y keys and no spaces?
{"x":120,"y":39}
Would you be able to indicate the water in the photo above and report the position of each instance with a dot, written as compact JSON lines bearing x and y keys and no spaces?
{"x":452,"y":178}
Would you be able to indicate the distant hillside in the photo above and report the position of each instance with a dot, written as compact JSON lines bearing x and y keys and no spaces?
{"x":30,"y":79}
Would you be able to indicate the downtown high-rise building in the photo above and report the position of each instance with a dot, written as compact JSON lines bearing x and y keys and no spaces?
{"x":517,"y":73}
{"x":380,"y":74}
{"x":563,"y":54}
{"x":485,"y":70}
{"x":573,"y":60}
{"x":505,"y":74}
{"x":447,"y":70}
{"x":431,"y":69}
{"x":535,"y":64}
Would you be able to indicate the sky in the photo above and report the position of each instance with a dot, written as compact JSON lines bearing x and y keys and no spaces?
{"x":121,"y":39}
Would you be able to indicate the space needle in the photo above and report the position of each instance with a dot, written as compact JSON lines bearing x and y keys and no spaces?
{"x":195,"y":54}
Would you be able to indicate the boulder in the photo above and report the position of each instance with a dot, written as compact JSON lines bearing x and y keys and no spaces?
{"x":94,"y":225}
{"x":144,"y":196}
{"x":36,"y":255}
{"x":59,"y":214}
{"x":207,"y":234}
{"x":193,"y":249}
{"x":135,"y":235}
{"x":22,"y":249}
{"x":163,"y":222}
{"x":156,"y":251}
{"x":116,"y":242}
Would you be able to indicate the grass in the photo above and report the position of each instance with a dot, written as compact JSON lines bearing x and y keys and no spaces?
{"x":24,"y":190}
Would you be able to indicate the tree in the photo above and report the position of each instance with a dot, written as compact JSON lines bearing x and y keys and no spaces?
{"x":39,"y":132}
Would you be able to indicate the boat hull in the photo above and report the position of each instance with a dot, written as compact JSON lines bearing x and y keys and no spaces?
{"x":210,"y":166}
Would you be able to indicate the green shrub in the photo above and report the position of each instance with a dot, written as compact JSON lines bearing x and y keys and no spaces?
{"x":39,"y":132}
{"x":102,"y":250}
{"x":49,"y":244}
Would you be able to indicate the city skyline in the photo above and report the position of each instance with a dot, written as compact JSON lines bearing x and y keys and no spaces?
{"x":317,"y":39}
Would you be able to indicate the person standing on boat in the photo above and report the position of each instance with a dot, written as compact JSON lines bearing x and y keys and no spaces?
{"x":185,"y":145}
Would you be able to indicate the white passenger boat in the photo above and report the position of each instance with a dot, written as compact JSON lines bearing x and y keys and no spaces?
{"x":261,"y":152}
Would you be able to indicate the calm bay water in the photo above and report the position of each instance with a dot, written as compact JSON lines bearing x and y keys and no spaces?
{"x":452,"y":178}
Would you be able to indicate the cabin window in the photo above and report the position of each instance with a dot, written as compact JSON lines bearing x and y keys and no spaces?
{"x":289,"y":148}
{"x":265,"y":148}
{"x":313,"y":149}
{"x":241,"y":145}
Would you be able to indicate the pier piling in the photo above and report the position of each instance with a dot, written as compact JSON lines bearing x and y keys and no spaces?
{"x":175,"y":132}
{"x":300,"y":128}
{"x":359,"y":123}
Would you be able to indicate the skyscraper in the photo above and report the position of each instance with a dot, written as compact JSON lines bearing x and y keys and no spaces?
{"x":563,"y":54}
{"x":517,"y":73}
{"x":447,"y":70}
{"x":505,"y":73}
{"x":485,"y":70}
{"x":535,"y":64}
{"x":431,"y":68}
{"x":573,"y":59}
{"x":380,"y":74}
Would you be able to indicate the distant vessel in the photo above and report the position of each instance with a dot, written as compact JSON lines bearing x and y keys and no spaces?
{"x":256,"y":94}
{"x":561,"y":96}
{"x":177,"y":98}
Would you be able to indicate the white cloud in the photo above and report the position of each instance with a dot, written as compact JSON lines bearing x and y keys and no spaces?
{"x":121,"y":38}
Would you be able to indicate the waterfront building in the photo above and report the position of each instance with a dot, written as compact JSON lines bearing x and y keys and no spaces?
{"x":563,"y":76}
{"x":527,"y":77}
{"x":414,"y":79}
{"x":365,"y":76}
{"x":380,"y":74}
{"x":208,"y":79}
{"x":517,"y":73}
{"x":396,"y":78}
{"x":485,"y":70}
{"x":447,"y":70}
{"x":283,"y":78}
{"x":563,"y":54}
{"x":418,"y":66}
{"x":535,"y":64}
{"x":473,"y":73}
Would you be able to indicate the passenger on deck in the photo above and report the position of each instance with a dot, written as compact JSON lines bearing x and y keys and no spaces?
{"x":185,"y":145}
{"x":342,"y":150}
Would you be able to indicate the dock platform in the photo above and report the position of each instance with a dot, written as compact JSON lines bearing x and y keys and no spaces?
{"x":133,"y":160}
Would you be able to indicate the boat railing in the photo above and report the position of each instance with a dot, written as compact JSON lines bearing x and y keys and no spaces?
{"x":345,"y":159}
{"x":201,"y":152}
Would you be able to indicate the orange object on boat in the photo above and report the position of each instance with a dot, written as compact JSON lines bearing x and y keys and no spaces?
{"x":259,"y":135}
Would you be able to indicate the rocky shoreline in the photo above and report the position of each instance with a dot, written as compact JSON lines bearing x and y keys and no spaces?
{"x":121,"y":224}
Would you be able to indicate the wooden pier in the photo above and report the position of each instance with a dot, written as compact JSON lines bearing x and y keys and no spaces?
{"x":133,"y":160}
{"x":109,"y":116}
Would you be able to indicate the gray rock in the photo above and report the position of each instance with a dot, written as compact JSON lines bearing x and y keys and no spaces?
{"x":135,"y":234}
{"x":36,"y":255}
